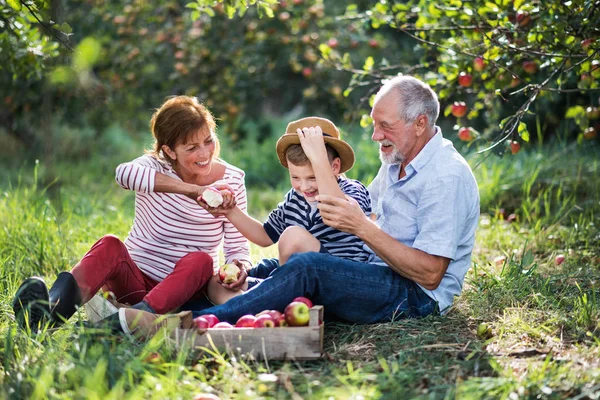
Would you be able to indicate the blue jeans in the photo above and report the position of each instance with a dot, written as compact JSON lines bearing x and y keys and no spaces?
{"x":349,"y":290}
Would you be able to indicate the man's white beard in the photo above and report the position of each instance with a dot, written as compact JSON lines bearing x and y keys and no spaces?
{"x":392,"y":158}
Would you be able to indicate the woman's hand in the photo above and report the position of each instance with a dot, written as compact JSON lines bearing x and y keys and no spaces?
{"x":237,"y":285}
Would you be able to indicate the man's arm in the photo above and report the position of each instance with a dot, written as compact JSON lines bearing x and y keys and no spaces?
{"x":416,"y":265}
{"x":313,"y":144}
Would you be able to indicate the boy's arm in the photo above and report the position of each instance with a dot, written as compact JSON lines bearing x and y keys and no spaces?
{"x":252,"y":229}
{"x":311,"y":139}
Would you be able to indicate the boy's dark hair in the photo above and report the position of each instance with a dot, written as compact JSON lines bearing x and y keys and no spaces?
{"x":295,"y":155}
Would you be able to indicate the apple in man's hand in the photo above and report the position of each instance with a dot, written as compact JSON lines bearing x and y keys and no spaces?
{"x":297,"y":314}
{"x":229,"y":273}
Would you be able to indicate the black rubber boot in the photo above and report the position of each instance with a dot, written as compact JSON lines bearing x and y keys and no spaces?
{"x":32,"y":304}
{"x":65,"y":297}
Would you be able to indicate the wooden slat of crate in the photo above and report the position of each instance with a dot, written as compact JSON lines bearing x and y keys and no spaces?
{"x":297,"y":343}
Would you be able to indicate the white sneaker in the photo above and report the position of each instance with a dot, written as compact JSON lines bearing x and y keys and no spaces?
{"x":99,"y":308}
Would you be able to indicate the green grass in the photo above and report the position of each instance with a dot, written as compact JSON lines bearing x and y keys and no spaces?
{"x":545,"y":318}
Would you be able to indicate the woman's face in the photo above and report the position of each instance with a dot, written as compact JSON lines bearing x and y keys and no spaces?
{"x":194,"y":156}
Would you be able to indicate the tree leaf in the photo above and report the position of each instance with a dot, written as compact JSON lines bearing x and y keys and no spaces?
{"x":15,"y":4}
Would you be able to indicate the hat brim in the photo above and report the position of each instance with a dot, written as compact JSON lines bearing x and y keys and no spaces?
{"x":343,"y":149}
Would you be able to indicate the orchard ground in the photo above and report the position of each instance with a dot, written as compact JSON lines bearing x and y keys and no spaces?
{"x":543,"y":310}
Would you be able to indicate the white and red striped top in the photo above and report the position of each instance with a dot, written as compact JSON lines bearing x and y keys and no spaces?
{"x":168,"y":226}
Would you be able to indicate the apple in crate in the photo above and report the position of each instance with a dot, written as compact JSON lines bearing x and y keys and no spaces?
{"x":297,"y":314}
{"x":223,"y":325}
{"x":211,"y":318}
{"x":246,"y":321}
{"x":201,"y":323}
{"x":229,"y":273}
{"x":304,"y":300}
{"x":212,"y":197}
{"x":264,"y":321}
{"x":278,"y":318}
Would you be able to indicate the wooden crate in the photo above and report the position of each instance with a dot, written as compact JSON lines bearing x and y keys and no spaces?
{"x":288,"y":343}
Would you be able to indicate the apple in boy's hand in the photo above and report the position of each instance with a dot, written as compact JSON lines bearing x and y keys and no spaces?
{"x":229,"y":273}
{"x":304,"y":300}
{"x":297,"y":314}
{"x":212,"y":197}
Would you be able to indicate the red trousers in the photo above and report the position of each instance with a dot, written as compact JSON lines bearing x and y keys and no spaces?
{"x":108,"y":265}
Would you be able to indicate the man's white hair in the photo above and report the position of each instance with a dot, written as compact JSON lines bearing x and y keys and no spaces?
{"x":414,"y":98}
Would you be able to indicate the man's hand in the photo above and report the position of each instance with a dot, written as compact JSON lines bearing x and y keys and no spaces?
{"x":235,"y":286}
{"x":342,"y":214}
{"x":225,"y":208}
{"x":313,"y":144}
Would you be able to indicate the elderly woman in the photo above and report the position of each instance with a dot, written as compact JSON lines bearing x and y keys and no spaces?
{"x":171,"y":250}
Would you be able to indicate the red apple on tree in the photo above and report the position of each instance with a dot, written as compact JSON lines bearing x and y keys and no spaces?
{"x":530,"y":67}
{"x":459,"y":109}
{"x":307,"y":72}
{"x":586,"y":43}
{"x":304,"y":300}
{"x":592,"y":112}
{"x":246,"y":321}
{"x":333,"y":43}
{"x":479,"y":64}
{"x":229,"y":273}
{"x":297,"y":314}
{"x":264,"y":321}
{"x":465,"y":79}
{"x":523,"y":18}
{"x":373,"y":43}
{"x":590,"y":133}
{"x":515,"y":147}
{"x":465,"y":134}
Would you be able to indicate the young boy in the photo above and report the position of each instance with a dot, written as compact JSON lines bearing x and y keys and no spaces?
{"x":296,"y":224}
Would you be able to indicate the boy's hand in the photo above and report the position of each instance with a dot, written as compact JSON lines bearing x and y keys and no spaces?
{"x":235,"y":286}
{"x":313,"y":144}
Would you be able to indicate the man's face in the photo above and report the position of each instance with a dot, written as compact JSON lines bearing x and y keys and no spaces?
{"x":395,"y":137}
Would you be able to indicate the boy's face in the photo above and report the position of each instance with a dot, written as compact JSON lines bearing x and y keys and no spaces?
{"x":303,"y":179}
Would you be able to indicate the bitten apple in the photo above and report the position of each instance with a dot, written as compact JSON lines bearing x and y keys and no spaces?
{"x":304,"y":300}
{"x":229,"y":273}
{"x":212,"y":197}
{"x":297,"y":314}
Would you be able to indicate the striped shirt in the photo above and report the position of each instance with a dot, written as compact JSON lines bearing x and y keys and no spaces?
{"x":168,"y":226}
{"x":296,"y":211}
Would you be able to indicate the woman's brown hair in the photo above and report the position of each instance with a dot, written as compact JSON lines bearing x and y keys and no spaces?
{"x":176,"y":120}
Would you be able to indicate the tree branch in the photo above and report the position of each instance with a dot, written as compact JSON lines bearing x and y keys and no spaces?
{"x":46,"y":27}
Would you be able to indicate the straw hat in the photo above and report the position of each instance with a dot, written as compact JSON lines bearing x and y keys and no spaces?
{"x":331,"y":135}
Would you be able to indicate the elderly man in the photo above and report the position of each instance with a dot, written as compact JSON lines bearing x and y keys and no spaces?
{"x":426,"y":205}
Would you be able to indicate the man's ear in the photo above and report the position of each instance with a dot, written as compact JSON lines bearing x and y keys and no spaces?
{"x":167,"y":150}
{"x":421,"y":124}
{"x":336,"y":166}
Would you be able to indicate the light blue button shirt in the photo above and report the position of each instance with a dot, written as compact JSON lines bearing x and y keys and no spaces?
{"x":433,"y":208}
